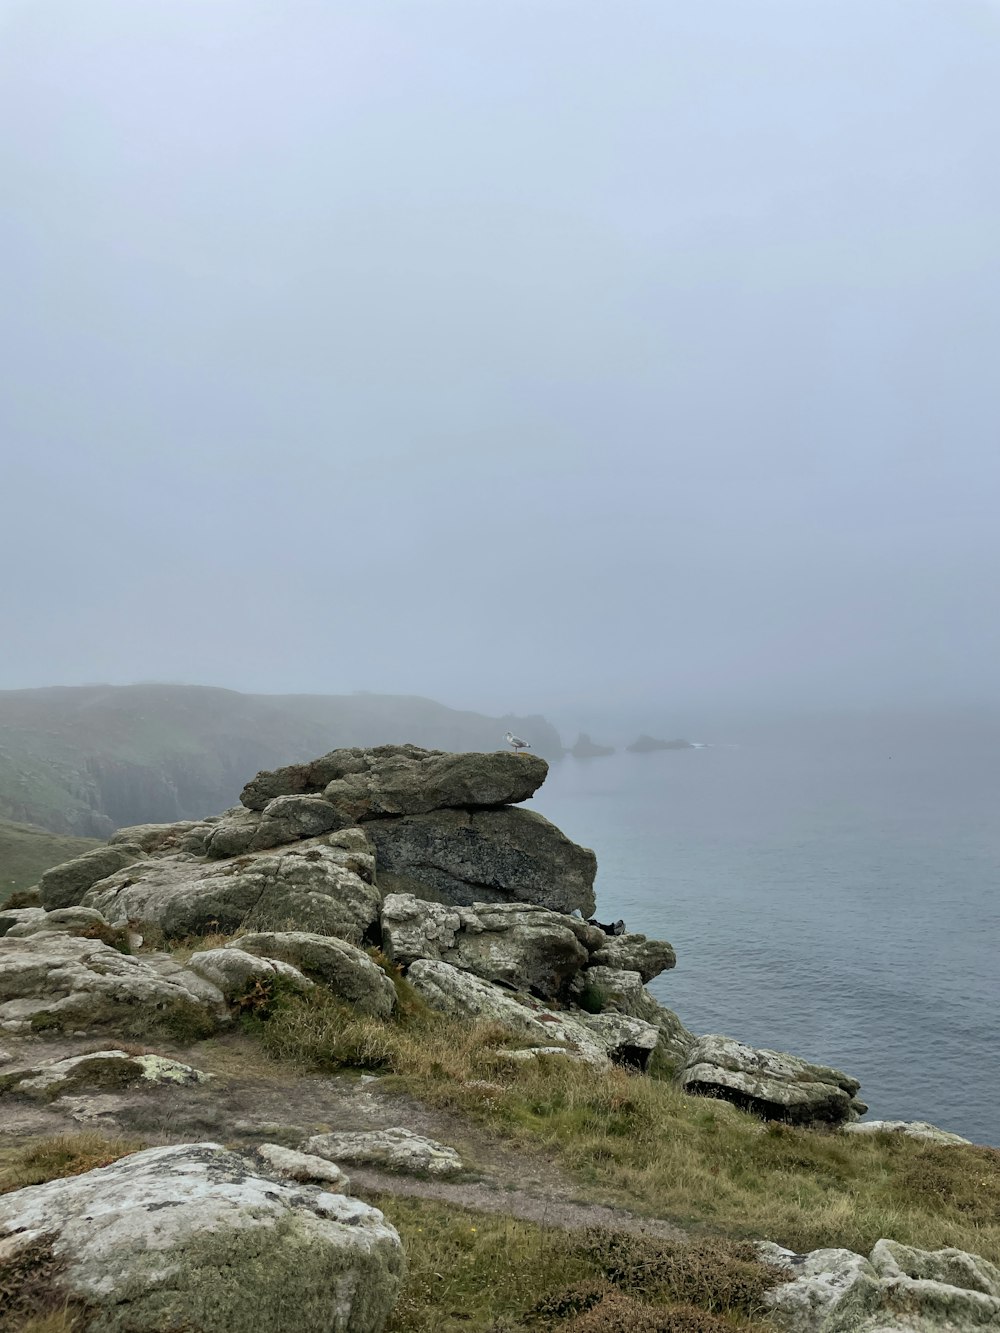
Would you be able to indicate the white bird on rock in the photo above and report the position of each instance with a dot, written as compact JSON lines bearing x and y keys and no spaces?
{"x":517,"y":743}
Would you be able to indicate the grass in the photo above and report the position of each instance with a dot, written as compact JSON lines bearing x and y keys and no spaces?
{"x":468,"y":1270}
{"x":26,"y":851}
{"x":641,"y":1142}
{"x":63,"y":1155}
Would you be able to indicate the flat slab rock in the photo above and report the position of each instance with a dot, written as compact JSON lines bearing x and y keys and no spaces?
{"x":195,"y":1236}
{"x":403,"y":780}
{"x":913,"y":1129}
{"x":393,"y":1149}
{"x":896,"y":1289}
{"x":101,"y":1069}
{"x":771,"y":1084}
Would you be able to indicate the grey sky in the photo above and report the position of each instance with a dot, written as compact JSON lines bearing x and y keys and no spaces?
{"x":517,"y":352}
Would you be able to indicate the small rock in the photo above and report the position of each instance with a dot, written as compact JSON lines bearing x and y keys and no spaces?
{"x":394,"y":1149}
{"x":914,"y":1129}
{"x":304,"y":1167}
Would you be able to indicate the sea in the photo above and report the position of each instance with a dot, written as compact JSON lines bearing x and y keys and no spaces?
{"x":832,"y":888}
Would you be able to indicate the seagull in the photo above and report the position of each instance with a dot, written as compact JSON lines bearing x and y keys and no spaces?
{"x":516,"y":742}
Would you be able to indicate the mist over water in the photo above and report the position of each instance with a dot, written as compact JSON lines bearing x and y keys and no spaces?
{"x":832,"y":888}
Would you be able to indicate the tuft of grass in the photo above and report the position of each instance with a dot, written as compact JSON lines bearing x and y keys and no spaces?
{"x":41,"y":1160}
{"x":32,"y":1288}
{"x":479,"y":1271}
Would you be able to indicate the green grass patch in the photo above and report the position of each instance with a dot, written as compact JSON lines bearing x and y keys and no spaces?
{"x":26,"y":851}
{"x":479,"y":1271}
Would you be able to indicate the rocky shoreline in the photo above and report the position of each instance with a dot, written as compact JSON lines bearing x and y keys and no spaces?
{"x":423,"y":860}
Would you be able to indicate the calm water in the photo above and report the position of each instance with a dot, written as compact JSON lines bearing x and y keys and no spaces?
{"x":831,"y":890}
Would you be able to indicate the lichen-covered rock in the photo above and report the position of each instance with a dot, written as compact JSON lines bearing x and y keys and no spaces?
{"x":72,"y":920}
{"x":341,"y":967}
{"x":304,"y":1167}
{"x":186,"y":835}
{"x":462,"y":995}
{"x":770,"y":1083}
{"x":99,"y":1069}
{"x":403,"y":780}
{"x":624,"y":993}
{"x":913,"y":1129}
{"x":197,"y":1237}
{"x":394,"y":1149}
{"x":897,"y":1289}
{"x":53,"y":979}
{"x":632,"y":952}
{"x":64,"y":885}
{"x":240,"y":975}
{"x":626,"y":1040}
{"x":461,"y":857}
{"x":308,"y":886}
{"x":20,"y":916}
{"x":285,"y":819}
{"x":525,"y":946}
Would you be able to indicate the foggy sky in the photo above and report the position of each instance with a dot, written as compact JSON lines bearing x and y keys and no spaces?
{"x":522,"y":353}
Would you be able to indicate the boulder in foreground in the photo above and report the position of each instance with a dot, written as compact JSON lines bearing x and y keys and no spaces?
{"x":196,"y":1237}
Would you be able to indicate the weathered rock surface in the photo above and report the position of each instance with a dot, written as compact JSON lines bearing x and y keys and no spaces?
{"x":65,"y":885}
{"x":311,"y":886}
{"x":632,"y":952}
{"x":394,"y":1149}
{"x":308,"y":1169}
{"x":897,"y":1289}
{"x":460,"y":857}
{"x":522,"y":945}
{"x":198,"y":1237}
{"x":100,"y":1069}
{"x":54,"y":979}
{"x":596,"y":1038}
{"x":237,"y":974}
{"x":344,"y":969}
{"x":913,"y":1129}
{"x":403,"y":780}
{"x":71,"y":920}
{"x":283,"y":820}
{"x":624,"y":992}
{"x":770,"y":1083}
{"x":186,"y":835}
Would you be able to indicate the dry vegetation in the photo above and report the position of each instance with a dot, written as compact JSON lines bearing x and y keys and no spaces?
{"x":641,"y":1142}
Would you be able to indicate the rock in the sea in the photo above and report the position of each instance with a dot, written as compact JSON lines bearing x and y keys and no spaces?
{"x":770,"y":1083}
{"x":584,"y":748}
{"x":197,"y":1237}
{"x":913,"y":1129}
{"x":897,"y":1289}
{"x":64,"y":885}
{"x":632,"y":952}
{"x":403,"y":780}
{"x":341,"y":967}
{"x":522,"y":945}
{"x":462,"y":857}
{"x":99,"y":1069}
{"x":393,"y":1149}
{"x":52,"y":979}
{"x":308,"y":886}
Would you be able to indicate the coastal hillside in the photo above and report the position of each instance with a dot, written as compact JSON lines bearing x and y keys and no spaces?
{"x":26,"y":850}
{"x":85,"y":760}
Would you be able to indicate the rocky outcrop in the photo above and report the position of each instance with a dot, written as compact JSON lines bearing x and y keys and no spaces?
{"x":51,"y":979}
{"x":589,"y":1036}
{"x":197,"y":1237}
{"x":647,"y":744}
{"x":584,"y":748}
{"x":913,"y":1129}
{"x":403,"y":780}
{"x":897,"y":1289}
{"x":32,"y":920}
{"x":391,"y":1149}
{"x":344,"y":970}
{"x":622,"y":992}
{"x":65,"y":885}
{"x":521,"y":945}
{"x":99,"y":1069}
{"x":241,"y":976}
{"x":632,"y":952}
{"x":312,"y":886}
{"x":770,"y":1083}
{"x":461,"y":857}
